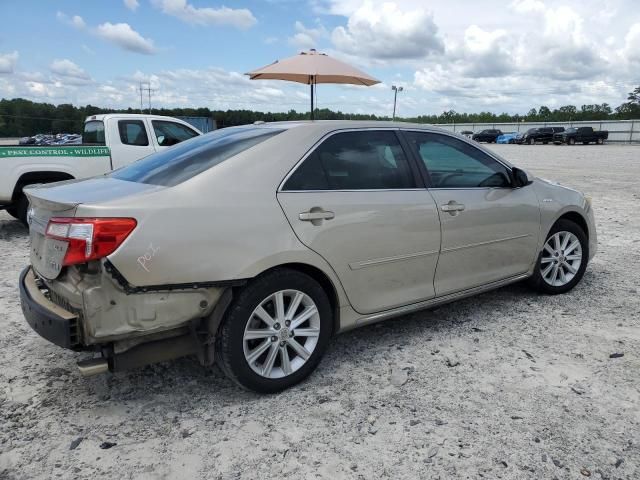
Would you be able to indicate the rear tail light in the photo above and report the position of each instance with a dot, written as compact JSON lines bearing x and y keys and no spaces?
{"x":89,"y":238}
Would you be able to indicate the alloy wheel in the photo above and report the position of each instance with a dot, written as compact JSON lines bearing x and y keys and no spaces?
{"x":561,"y":258}
{"x":281,"y":334}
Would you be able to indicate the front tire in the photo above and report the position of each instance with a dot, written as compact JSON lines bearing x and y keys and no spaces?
{"x":275,"y":331}
{"x":532,"y":141}
{"x":563,"y":259}
{"x":571,"y":141}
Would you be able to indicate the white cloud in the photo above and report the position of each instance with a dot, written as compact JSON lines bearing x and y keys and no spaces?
{"x":306,"y":38}
{"x":240,"y":18}
{"x":563,"y":50}
{"x":486,"y":53}
{"x":527,"y":6}
{"x":124,"y":36}
{"x":87,"y":50}
{"x":75,"y":21}
{"x":131,"y":4}
{"x":631,"y":50}
{"x":8,"y":62}
{"x":66,"y":68}
{"x":388,"y":32}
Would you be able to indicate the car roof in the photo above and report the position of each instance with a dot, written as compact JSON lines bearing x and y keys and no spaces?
{"x":326,"y":126}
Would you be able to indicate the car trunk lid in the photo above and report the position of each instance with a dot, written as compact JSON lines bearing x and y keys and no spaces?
{"x":62,"y":200}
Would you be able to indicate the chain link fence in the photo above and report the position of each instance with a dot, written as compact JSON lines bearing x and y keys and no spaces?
{"x":620,"y":131}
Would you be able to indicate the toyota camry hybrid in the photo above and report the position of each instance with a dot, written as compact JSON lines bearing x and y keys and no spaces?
{"x":252,"y":246}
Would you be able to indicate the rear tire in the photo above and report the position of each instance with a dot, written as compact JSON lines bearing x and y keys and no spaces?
{"x":261,"y":344}
{"x":571,"y":141}
{"x":563,"y":259}
{"x":599,"y":141}
{"x":21,"y":208}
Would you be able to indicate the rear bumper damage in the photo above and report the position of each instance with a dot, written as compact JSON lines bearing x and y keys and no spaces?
{"x":129,"y":330}
{"x":47,"y":319}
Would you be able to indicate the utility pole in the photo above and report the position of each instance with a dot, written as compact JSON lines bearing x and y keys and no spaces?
{"x":140,"y":97}
{"x":395,"y":98}
{"x":147,"y":89}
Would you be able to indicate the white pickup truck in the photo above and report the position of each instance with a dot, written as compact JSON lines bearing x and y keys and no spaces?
{"x":108,"y":142}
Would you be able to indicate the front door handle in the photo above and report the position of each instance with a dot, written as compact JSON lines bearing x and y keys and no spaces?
{"x":316,"y":215}
{"x":452,"y":207}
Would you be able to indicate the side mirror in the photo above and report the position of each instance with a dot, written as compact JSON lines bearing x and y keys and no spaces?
{"x":520,"y":178}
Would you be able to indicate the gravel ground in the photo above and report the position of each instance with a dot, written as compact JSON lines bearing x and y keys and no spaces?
{"x":509,"y":384}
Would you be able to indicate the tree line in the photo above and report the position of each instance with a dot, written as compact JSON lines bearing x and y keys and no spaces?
{"x":20,"y":117}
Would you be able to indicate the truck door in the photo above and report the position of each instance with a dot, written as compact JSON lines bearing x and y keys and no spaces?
{"x":129,"y":141}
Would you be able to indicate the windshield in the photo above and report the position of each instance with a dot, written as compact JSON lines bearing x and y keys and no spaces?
{"x":571,"y":129}
{"x":187,"y":159}
{"x":532,"y":130}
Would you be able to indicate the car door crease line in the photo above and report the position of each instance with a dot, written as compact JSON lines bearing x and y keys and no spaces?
{"x":488,"y":242}
{"x":385,"y":260}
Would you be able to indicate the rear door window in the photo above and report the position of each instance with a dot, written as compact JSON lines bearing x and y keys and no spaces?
{"x":93,"y":133}
{"x":133,"y":132}
{"x":175,"y":165}
{"x":170,"y":133}
{"x":362,"y":160}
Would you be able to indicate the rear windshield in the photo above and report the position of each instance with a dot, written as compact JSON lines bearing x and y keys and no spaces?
{"x":187,"y":159}
{"x":93,"y":133}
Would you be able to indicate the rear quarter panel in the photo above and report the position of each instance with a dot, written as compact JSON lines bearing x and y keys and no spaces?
{"x":224,"y":224}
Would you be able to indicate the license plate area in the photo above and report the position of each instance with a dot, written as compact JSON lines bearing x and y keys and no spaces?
{"x":46,"y":254}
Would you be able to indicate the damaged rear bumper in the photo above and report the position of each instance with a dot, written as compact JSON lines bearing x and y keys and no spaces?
{"x":47,"y":319}
{"x":188,"y":320}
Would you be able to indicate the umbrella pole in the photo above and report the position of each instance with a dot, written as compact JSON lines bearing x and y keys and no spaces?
{"x":311,"y":83}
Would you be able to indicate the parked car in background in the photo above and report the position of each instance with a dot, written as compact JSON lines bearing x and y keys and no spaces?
{"x":539,"y":135}
{"x":509,"y":137}
{"x":108,"y":142}
{"x":253,"y":245}
{"x":584,"y":135}
{"x":488,"y":136}
{"x":466,"y":133}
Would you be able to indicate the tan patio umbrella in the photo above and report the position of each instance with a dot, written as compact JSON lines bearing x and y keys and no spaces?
{"x":312,"y":68}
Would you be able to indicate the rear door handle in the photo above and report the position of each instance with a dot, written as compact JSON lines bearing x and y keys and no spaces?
{"x":452,"y":207}
{"x":313,"y":215}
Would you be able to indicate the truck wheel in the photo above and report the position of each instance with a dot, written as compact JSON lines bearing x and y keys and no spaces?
{"x":22,"y":205}
{"x":599,"y":141}
{"x":12,"y":211}
{"x":532,"y":141}
{"x":275,"y":331}
{"x":563,"y":259}
{"x":571,"y":141}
